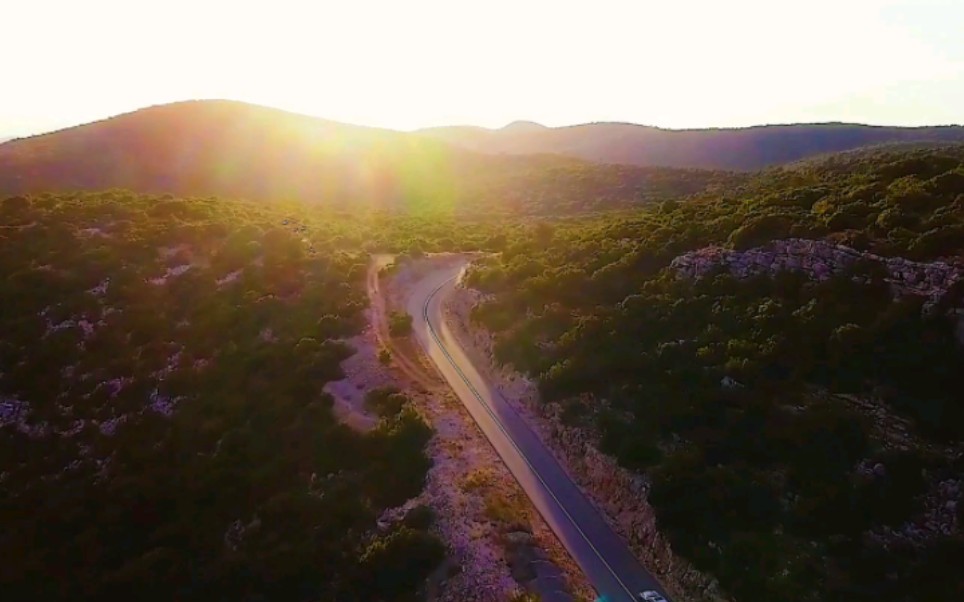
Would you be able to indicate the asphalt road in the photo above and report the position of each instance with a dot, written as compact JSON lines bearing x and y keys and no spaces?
{"x":605,"y":558}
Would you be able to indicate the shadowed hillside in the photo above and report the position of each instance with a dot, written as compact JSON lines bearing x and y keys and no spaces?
{"x":164,"y":426}
{"x":734,"y":149}
{"x":234,"y":149}
{"x":783,"y":363}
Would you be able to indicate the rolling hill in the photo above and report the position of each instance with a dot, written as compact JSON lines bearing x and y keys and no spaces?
{"x":741,"y":149}
{"x":233,"y":149}
{"x":784,"y":364}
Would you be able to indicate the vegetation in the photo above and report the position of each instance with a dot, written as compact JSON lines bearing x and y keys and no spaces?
{"x":385,"y":401}
{"x":399,"y":324}
{"x":163,"y":428}
{"x":384,"y":356}
{"x":728,"y":392}
{"x":478,"y":478}
{"x":503,"y":510}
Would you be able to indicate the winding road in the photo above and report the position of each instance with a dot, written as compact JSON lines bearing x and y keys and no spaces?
{"x":605,"y":558}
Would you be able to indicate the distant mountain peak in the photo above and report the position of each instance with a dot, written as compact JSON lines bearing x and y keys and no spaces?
{"x":523,"y":126}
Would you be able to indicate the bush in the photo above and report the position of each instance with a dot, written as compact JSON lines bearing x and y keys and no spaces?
{"x":502,"y":510}
{"x":398,"y":563}
{"x":384,"y":356}
{"x":420,"y":517}
{"x":399,"y":324}
{"x":385,"y":401}
{"x":478,"y":478}
{"x":760,"y":230}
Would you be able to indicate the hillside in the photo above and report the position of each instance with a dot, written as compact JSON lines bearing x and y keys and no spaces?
{"x":233,"y":149}
{"x":784,"y":363}
{"x":728,"y":149}
{"x":163,"y":422}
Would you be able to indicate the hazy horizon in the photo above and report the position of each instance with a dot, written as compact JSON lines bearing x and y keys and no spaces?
{"x":5,"y":136}
{"x":692,"y":65}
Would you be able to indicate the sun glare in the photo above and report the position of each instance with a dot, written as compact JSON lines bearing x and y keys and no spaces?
{"x":406,"y":65}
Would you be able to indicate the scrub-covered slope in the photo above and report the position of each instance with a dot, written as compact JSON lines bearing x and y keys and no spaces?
{"x":163,"y":430}
{"x":785,"y":363}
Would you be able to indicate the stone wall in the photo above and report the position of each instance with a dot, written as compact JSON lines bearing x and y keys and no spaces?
{"x":820,"y":260}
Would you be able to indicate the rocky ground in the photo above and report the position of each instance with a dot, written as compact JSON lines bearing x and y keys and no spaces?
{"x":939,"y":513}
{"x":363,"y":372}
{"x":498,"y":546}
{"x":619,"y":493}
{"x":820,"y":260}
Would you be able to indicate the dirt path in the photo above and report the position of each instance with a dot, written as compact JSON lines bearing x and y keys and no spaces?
{"x":404,"y":353}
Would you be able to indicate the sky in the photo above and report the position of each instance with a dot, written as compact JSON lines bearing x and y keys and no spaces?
{"x":418,"y":63}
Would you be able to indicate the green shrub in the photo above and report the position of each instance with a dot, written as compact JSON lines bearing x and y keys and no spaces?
{"x":420,"y":517}
{"x":399,"y":324}
{"x":385,"y":401}
{"x":384,"y":356}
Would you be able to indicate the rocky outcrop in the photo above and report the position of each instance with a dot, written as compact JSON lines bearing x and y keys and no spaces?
{"x":819,"y":260}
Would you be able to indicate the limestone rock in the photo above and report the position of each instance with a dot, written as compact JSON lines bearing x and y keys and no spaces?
{"x":819,"y":260}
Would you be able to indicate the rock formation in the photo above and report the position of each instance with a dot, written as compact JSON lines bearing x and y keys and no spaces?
{"x":819,"y":260}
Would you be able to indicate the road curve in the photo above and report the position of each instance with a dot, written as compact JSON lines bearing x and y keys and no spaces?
{"x":604,"y":557}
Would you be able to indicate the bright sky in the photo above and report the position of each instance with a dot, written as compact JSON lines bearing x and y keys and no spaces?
{"x":415,"y":63}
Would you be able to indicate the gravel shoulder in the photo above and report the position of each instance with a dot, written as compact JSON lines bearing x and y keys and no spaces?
{"x":499,"y":546}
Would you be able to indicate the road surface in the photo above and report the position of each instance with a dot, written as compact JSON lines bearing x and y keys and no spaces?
{"x":605,"y":558}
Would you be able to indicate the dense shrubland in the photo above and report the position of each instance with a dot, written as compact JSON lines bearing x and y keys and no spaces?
{"x":734,"y":396}
{"x":163,"y":430}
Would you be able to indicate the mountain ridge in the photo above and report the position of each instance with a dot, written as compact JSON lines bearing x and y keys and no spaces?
{"x":740,"y":149}
{"x":234,"y":149}
{"x":730,"y":128}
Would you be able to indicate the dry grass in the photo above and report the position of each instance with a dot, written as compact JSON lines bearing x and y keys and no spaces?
{"x":478,"y":478}
{"x":501,"y":509}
